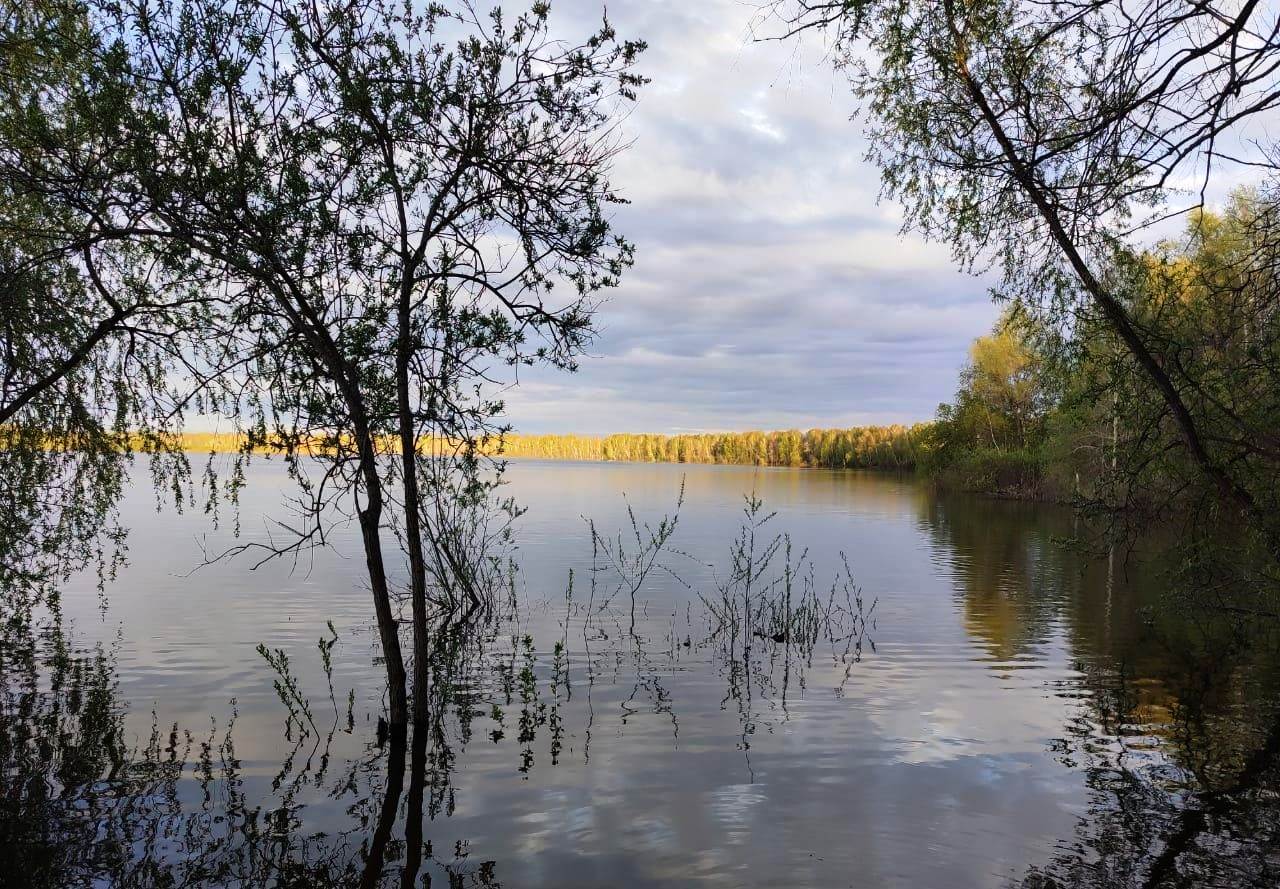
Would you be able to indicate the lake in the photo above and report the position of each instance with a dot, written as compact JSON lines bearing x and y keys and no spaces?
{"x":956,"y":697}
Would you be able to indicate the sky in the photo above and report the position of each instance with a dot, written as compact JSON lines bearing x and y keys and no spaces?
{"x":771,"y":287}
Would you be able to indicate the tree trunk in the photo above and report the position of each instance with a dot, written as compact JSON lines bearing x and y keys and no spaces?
{"x":1111,"y":308}
{"x":413,"y":816}
{"x":372,"y":875}
{"x":388,"y":632}
{"x":413,"y":522}
{"x":370,"y":526}
{"x":331,"y":359}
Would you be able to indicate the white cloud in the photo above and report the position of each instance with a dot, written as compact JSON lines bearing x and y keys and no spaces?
{"x":770,"y":288}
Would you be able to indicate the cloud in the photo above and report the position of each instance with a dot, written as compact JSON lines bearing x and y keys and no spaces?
{"x":770,"y":289}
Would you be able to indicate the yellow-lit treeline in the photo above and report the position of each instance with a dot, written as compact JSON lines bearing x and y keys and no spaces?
{"x":882,"y":447}
{"x":879,"y":447}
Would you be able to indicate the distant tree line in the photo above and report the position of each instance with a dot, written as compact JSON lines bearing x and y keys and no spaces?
{"x":895,"y":447}
{"x":865,"y":447}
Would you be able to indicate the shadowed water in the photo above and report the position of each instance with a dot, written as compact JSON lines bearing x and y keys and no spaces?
{"x":981,"y":706}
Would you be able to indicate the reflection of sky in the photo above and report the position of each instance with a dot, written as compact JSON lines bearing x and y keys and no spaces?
{"x":929,"y":764}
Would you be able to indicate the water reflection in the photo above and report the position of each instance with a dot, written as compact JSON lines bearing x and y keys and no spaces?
{"x":79,"y":808}
{"x":995,"y":709}
{"x":1183,"y":770}
{"x":1009,"y":572}
{"x":1176,"y":716}
{"x":82,"y":807}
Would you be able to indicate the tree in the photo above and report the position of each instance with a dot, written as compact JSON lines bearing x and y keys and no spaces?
{"x":1209,"y":302}
{"x":993,"y":435}
{"x":1045,"y":137}
{"x":507,"y":137}
{"x":1001,"y":385}
{"x":95,"y":332}
{"x":386,"y":195}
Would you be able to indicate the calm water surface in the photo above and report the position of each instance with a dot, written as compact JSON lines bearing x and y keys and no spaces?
{"x":1015,"y":713}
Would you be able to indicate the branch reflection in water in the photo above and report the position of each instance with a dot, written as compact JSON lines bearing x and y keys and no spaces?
{"x":1173,"y":706}
{"x":1183,"y":775}
{"x":82,"y":805}
{"x":1165,"y":723}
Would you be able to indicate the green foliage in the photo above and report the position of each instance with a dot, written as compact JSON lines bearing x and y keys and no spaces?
{"x":1002,"y":396}
{"x":1041,"y":142}
{"x":92,"y":330}
{"x":1017,"y":473}
{"x":1074,"y":417}
{"x":336,"y":225}
{"x":993,"y":437}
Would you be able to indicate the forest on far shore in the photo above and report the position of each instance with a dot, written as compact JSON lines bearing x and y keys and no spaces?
{"x":864,"y":447}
